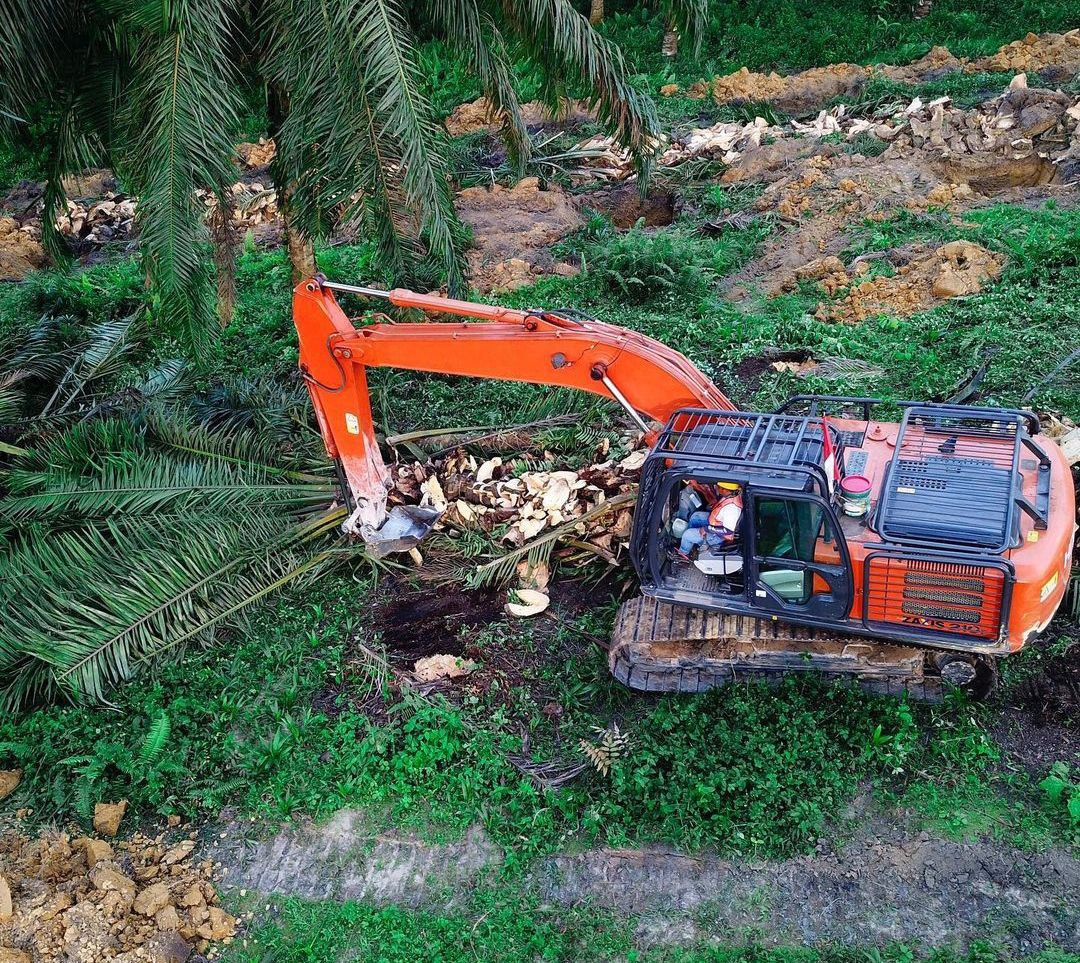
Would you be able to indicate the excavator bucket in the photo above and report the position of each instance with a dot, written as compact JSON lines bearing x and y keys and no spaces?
{"x":404,"y":528}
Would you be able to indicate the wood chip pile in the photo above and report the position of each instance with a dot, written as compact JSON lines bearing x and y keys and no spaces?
{"x":100,"y":222}
{"x":520,"y":506}
{"x":254,"y":204}
{"x":1020,"y":123}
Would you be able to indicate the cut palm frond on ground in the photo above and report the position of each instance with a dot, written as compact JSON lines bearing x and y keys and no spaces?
{"x":121,"y":545}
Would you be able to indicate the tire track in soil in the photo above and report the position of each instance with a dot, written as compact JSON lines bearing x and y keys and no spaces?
{"x":885,"y":884}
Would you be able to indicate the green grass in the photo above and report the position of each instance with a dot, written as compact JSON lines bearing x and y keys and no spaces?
{"x":747,"y":769}
{"x":787,"y":36}
{"x":83,"y":297}
{"x":504,"y":927}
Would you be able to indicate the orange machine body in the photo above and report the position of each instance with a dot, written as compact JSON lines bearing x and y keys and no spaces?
{"x":1040,"y":560}
{"x":654,"y":382}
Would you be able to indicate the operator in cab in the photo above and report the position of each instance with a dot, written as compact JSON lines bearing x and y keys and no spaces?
{"x":718,"y":526}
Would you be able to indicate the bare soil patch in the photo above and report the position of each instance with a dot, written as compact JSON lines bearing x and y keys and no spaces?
{"x":85,"y":899}
{"x":1057,"y":54}
{"x":928,"y":278}
{"x":20,"y":250}
{"x":480,"y":114}
{"x":418,"y":624}
{"x":1052,"y":697}
{"x":625,"y":206}
{"x":886,"y":884}
{"x":752,"y":370}
{"x":513,"y":228}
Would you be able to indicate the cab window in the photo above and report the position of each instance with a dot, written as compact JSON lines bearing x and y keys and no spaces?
{"x":791,"y":533}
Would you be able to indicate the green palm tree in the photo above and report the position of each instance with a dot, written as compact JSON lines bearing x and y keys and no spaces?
{"x":154,"y":89}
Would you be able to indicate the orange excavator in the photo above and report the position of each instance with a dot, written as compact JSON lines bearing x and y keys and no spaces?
{"x":901,"y":555}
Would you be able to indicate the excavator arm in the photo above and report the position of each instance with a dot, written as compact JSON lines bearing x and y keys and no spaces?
{"x":649,"y":379}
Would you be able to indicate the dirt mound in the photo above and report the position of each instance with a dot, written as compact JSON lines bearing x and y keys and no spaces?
{"x":939,"y":62}
{"x":816,"y":87}
{"x":515,"y":224}
{"x":84,"y":900}
{"x":748,"y":85}
{"x":817,"y":200}
{"x":256,"y":156}
{"x":953,"y":270}
{"x":795,"y":93}
{"x":480,"y":115}
{"x":1035,"y":52}
{"x":625,"y":206}
{"x":20,"y":250}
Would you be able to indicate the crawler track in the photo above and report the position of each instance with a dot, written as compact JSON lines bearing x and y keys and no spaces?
{"x":659,"y":647}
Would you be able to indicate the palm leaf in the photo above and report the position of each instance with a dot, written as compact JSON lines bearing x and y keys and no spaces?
{"x":87,"y":607}
{"x":178,"y":131}
{"x":561,"y":40}
{"x":475,"y":36}
{"x":153,"y":483}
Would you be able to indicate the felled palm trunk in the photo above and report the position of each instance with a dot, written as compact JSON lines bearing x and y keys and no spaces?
{"x":670,"y":46}
{"x":596,"y":12}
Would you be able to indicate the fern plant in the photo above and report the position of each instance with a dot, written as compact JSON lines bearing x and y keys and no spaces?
{"x":611,"y":745}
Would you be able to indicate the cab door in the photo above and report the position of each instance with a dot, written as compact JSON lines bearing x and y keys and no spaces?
{"x":799,"y":562}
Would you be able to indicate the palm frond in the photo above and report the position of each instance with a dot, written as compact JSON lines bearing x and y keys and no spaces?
{"x":568,"y":49}
{"x":179,"y":125}
{"x":87,"y":607}
{"x":154,"y":483}
{"x":168,"y":381}
{"x":104,"y":350}
{"x":478,"y":39}
{"x":230,"y":442}
{"x":380,"y":38}
{"x":691,"y":17}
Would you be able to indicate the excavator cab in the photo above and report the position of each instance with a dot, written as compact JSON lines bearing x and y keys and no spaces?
{"x":786,"y":556}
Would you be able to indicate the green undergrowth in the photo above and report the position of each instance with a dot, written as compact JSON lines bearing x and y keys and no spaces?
{"x":788,"y":36}
{"x":285,"y":717}
{"x":662,"y":282}
{"x":970,"y":789}
{"x":499,"y":925}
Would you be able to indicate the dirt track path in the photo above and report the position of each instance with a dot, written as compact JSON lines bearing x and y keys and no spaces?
{"x":886,"y":884}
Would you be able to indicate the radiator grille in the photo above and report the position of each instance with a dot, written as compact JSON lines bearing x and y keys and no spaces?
{"x":919,"y":578}
{"x":922,"y":596}
{"x":941,"y":612}
{"x":953,"y":598}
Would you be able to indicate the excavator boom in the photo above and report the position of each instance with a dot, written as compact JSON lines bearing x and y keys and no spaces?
{"x":650,"y":380}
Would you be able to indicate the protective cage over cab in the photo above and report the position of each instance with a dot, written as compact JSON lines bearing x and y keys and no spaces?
{"x":956,"y":495}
